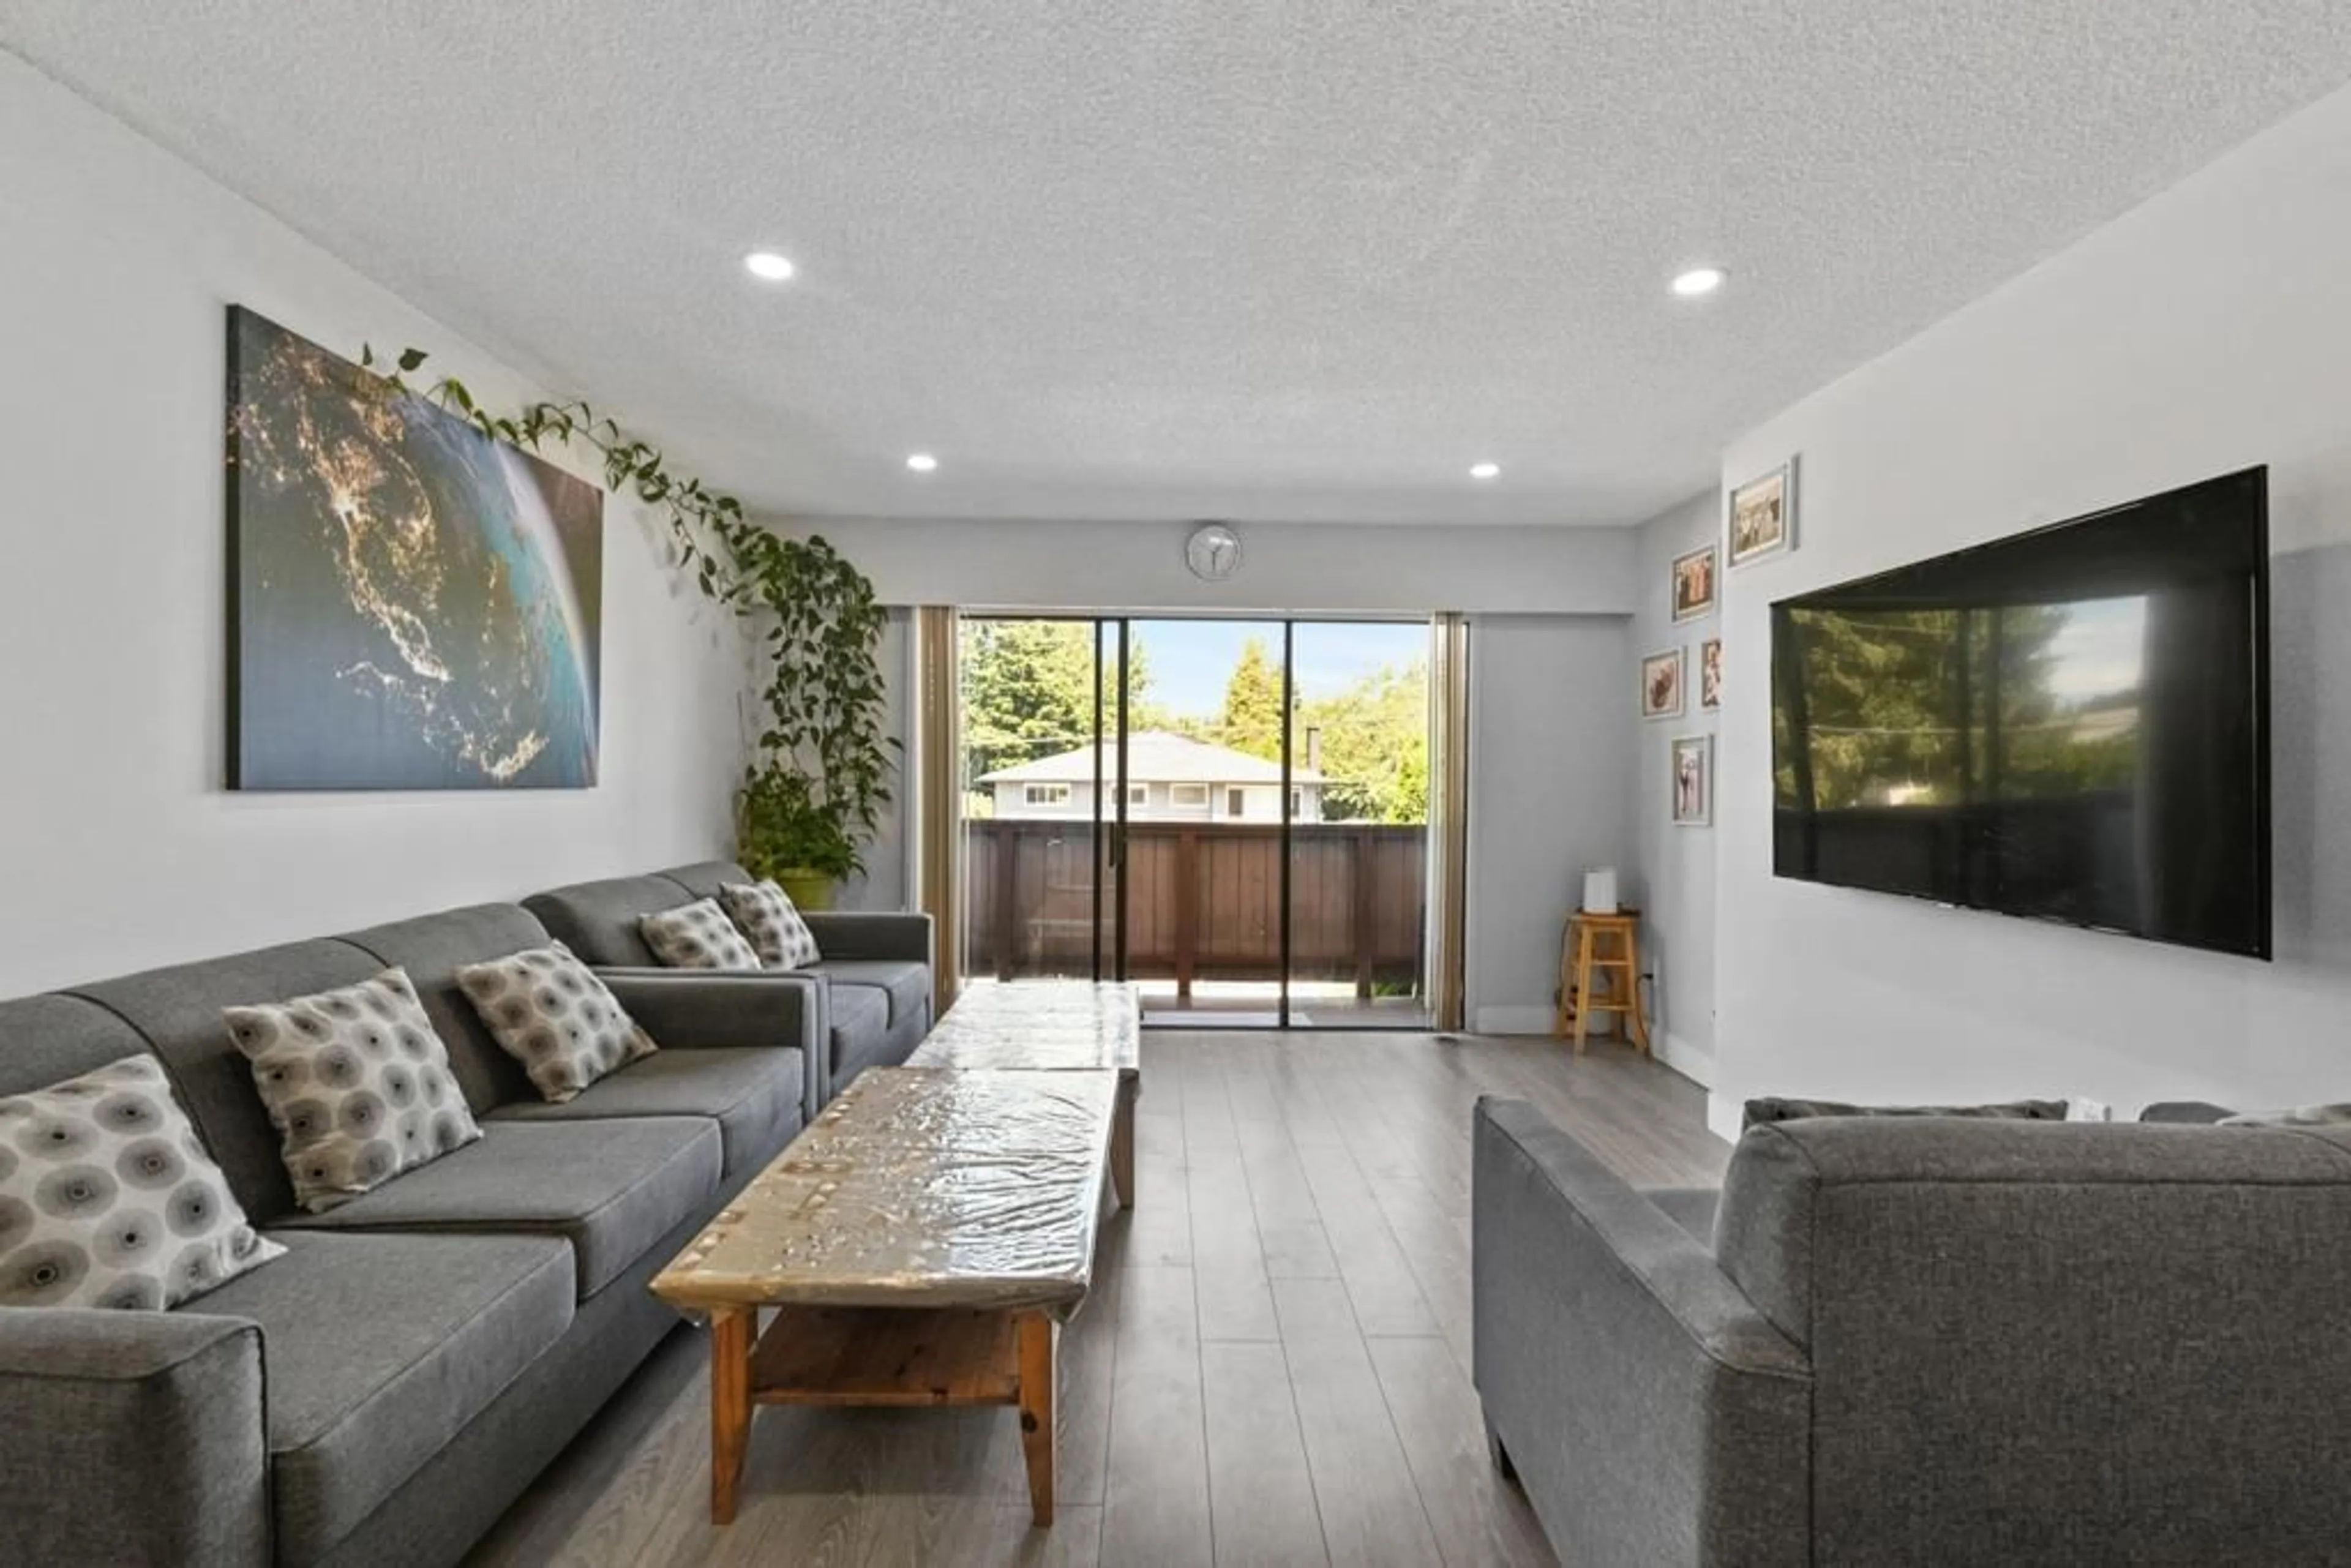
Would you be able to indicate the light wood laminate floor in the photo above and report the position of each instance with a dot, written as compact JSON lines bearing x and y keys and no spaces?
{"x":1273,"y":1368}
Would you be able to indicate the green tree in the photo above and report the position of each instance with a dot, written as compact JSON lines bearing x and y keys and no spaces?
{"x":1030,"y":689}
{"x":1252,"y":716}
{"x":1374,"y":748}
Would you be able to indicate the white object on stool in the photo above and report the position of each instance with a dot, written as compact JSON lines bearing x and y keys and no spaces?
{"x":1600,"y":891}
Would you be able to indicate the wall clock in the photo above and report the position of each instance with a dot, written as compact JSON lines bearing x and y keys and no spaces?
{"x":1214,"y":552}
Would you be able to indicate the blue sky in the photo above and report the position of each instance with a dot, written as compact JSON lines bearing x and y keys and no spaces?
{"x":1191,"y":659}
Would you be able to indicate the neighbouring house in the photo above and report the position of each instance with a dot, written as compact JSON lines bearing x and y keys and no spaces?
{"x":1170,"y":779}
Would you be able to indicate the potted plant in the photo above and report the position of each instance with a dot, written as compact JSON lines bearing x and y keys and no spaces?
{"x":820,"y":769}
{"x":783,"y":832}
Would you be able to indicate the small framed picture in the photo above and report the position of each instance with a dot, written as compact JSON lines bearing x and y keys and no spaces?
{"x":1661,"y":685}
{"x":1694,"y":584}
{"x":1693,"y":780}
{"x":1709,"y":673}
{"x":1761,"y":514}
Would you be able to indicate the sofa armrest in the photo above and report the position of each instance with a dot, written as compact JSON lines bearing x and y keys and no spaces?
{"x":131,"y":1438}
{"x":1651,"y":1412}
{"x":844,"y":933}
{"x":689,"y":1009}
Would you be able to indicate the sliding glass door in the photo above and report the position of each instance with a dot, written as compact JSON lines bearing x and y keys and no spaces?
{"x":1234,"y":814}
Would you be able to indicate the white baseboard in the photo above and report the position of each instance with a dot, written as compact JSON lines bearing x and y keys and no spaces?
{"x":1685,"y":1059}
{"x":1512,"y":1021}
{"x":1723,"y":1115}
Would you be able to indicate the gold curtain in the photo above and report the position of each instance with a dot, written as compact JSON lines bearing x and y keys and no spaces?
{"x":1449,"y":691}
{"x":938,"y":761}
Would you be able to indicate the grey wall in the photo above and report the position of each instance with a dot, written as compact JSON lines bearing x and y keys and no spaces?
{"x":1290,"y":568}
{"x":1552,"y":699}
{"x":1671,"y":872}
{"x":2204,"y":331}
{"x":121,"y":848}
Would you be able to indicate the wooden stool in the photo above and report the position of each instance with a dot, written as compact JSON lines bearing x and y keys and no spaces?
{"x":1595,"y":949}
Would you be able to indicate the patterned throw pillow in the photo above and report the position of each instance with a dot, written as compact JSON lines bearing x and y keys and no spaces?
{"x":357,"y":1084}
{"x":697,"y":937}
{"x":767,"y":916}
{"x":555,"y":1018}
{"x":108,"y":1198}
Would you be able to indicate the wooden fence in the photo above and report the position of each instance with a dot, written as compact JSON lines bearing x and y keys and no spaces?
{"x":1204,"y":902}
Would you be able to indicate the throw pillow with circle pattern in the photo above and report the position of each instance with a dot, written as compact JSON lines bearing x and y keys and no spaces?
{"x":549,"y":1013}
{"x":697,"y":937}
{"x":357,"y":1084}
{"x":108,"y":1199}
{"x":765,"y":912}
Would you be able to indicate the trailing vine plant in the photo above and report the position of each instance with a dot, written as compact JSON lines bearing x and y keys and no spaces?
{"x":821,"y":771}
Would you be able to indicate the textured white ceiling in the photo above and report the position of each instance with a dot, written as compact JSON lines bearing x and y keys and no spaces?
{"x":1182,"y":258}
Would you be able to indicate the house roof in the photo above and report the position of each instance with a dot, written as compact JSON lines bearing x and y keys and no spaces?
{"x":1154,"y":757}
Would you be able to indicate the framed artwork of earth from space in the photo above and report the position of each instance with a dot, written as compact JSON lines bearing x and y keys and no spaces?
{"x":411,"y":604}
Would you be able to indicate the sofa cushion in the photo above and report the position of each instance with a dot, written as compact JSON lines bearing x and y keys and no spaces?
{"x":179,"y":1011}
{"x":108,"y":1198}
{"x":860,"y":1018}
{"x":357,"y":1084}
{"x":753,"y":1094}
{"x":703,"y":879}
{"x":378,"y":1350}
{"x":52,"y":1038}
{"x":597,"y":920}
{"x":765,"y":912}
{"x":906,"y":986}
{"x":1770,"y":1110}
{"x":698,"y":935}
{"x":611,"y":1188}
{"x":431,"y":948}
{"x":555,"y":1018}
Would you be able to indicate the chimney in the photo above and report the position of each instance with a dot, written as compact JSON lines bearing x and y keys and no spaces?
{"x":1314,"y":748}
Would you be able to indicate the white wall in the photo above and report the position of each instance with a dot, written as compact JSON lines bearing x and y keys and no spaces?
{"x":2209,"y":330}
{"x":1552,"y":699}
{"x":1294,"y":568}
{"x":119,"y":847}
{"x":1670,"y":873}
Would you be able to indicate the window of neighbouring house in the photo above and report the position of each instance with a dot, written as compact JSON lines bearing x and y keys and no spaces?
{"x":1138,"y":794}
{"x":1187,"y":794}
{"x":1045,"y":794}
{"x":1236,"y":803}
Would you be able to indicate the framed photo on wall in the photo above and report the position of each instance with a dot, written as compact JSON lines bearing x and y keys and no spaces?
{"x":1694,"y":584}
{"x":1709,"y":673}
{"x":1693,"y":780}
{"x":1760,"y":517}
{"x":1661,"y":685}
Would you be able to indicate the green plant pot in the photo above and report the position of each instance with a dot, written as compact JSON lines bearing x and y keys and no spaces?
{"x":807,"y":889}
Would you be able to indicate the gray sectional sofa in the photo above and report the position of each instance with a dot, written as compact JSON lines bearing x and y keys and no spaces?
{"x":873,"y":990}
{"x":383,"y":1393}
{"x":1944,"y":1341}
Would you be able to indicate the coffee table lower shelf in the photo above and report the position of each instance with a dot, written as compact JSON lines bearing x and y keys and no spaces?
{"x":880,"y":1355}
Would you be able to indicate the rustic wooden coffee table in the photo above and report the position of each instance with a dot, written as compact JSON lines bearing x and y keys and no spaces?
{"x":923,"y":1242}
{"x":1058,"y":1026}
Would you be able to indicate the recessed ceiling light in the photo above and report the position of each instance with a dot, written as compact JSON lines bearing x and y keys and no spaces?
{"x":1484,"y":470}
{"x":1700,"y":281}
{"x":921,"y":462}
{"x":768,"y":265}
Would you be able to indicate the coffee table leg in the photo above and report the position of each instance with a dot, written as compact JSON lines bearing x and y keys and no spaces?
{"x":1039,"y":1339}
{"x":1121,"y":1146}
{"x":730,"y":1404}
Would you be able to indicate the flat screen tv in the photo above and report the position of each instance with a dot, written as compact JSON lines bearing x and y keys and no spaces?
{"x":2070,"y":724}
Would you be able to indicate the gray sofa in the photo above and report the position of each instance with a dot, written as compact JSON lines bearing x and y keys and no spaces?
{"x":870,"y":997}
{"x":383,"y":1393}
{"x":1930,"y":1341}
